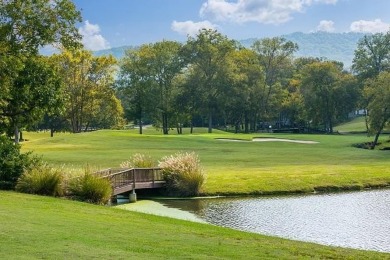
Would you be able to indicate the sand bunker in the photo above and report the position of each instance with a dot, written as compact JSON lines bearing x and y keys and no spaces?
{"x":283,"y":140}
{"x":233,"y":140}
{"x":269,"y":140}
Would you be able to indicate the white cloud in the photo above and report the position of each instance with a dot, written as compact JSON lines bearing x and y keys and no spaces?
{"x":326,"y":26}
{"x":191,"y":28}
{"x":92,"y":39}
{"x":261,"y":11}
{"x":375,"y":26}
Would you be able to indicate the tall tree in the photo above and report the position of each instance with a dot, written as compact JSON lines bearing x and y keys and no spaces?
{"x":275,"y":56}
{"x":166,"y":64}
{"x":293,"y":104}
{"x":377,"y":91}
{"x":328,"y":93}
{"x":148,"y":79}
{"x":134,"y":85}
{"x":88,"y":90}
{"x":34,"y":92}
{"x":372,"y":55}
{"x":188,"y":101}
{"x":207,"y":53}
{"x":246,"y":82}
{"x":26,"y":26}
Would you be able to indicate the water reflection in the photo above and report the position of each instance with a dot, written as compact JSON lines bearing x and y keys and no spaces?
{"x":356,"y":219}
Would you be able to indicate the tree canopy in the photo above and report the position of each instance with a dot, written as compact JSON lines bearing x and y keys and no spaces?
{"x":28,"y":84}
{"x":213,"y":81}
{"x":372,"y":55}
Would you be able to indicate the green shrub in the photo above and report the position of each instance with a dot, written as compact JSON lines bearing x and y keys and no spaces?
{"x":90,"y":188}
{"x":183,"y":174}
{"x":13,"y":163}
{"x":42,"y":180}
{"x":139,"y":160}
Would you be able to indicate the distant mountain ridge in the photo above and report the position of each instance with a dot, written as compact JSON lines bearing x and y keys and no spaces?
{"x":117,"y":52}
{"x":332,"y":46}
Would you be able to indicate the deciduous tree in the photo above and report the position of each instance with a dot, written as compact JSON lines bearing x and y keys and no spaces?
{"x":372,"y":55}
{"x":34,"y":92}
{"x":89,"y":95}
{"x":275,"y":56}
{"x":377,"y":91}
{"x":246,"y":89}
{"x":329,"y":93}
{"x":147,"y":80}
{"x":207,"y":55}
{"x":25,"y":27}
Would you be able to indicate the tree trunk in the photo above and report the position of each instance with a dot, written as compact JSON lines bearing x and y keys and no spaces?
{"x":179,"y":129}
{"x":140,"y":112}
{"x":330,"y":126}
{"x":375,"y":142}
{"x":86,"y":127}
{"x":246,"y":123}
{"x":255,"y":123}
{"x":51,"y":132}
{"x":366,"y":121}
{"x":164,"y":123}
{"x":16,"y":133}
{"x":140,"y":126}
{"x":210,"y":130}
{"x":378,"y":134}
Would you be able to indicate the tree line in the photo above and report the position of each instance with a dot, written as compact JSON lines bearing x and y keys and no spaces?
{"x":210,"y":80}
{"x":213,"y":81}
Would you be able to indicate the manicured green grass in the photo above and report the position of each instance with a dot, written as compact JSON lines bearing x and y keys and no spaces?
{"x":357,"y":124}
{"x":232,"y":167}
{"x":35,"y":227}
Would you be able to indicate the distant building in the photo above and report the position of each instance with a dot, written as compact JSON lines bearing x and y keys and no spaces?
{"x":357,"y":113}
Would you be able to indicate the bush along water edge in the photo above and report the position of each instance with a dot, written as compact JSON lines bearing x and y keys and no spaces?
{"x":183,"y":174}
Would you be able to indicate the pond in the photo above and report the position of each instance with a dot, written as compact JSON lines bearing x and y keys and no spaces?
{"x":356,"y":219}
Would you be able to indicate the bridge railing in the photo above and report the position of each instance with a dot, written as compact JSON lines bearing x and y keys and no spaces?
{"x":123,"y":177}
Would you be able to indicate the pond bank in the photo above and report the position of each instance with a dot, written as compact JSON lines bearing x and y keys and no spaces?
{"x":315,"y":190}
{"x":357,"y":220}
{"x":155,"y":208}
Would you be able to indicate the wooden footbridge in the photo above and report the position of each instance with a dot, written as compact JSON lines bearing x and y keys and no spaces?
{"x":126,"y":180}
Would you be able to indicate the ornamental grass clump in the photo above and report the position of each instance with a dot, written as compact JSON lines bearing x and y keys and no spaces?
{"x":41,"y":180}
{"x":139,"y":160}
{"x":90,"y":188}
{"x":183,"y":174}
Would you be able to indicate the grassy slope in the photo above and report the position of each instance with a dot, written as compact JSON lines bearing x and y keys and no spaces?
{"x":232,"y":167}
{"x":34,"y":227}
{"x":355,"y":125}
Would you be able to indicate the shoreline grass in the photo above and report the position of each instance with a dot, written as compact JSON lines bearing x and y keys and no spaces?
{"x":232,"y":168}
{"x":36,"y":227}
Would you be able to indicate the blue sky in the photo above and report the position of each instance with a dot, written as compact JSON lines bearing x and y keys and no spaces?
{"x":114,"y":23}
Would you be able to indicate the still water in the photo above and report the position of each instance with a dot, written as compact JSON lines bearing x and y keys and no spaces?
{"x":356,"y":219}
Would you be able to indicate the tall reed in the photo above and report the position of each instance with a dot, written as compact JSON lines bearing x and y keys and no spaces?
{"x":183,"y":174}
{"x":42,"y":180}
{"x":90,"y":188}
{"x":139,"y":160}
